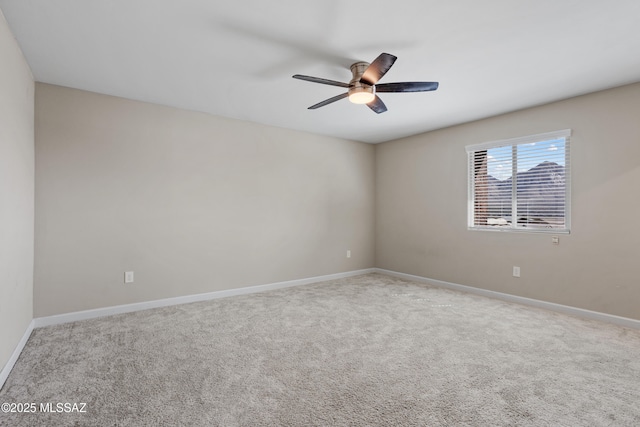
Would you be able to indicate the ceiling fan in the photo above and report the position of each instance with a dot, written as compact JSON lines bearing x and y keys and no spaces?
{"x":363,"y":86}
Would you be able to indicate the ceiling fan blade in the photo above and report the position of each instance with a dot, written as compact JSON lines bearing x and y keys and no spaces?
{"x":319,"y":80}
{"x":377,"y":105}
{"x":329,"y":101}
{"x":407,"y":87}
{"x":378,"y":68}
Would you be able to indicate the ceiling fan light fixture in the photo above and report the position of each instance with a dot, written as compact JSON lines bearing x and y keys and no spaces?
{"x":363,"y":86}
{"x":362,"y":95}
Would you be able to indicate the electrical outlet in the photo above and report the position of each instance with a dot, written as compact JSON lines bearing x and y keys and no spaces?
{"x":348,"y":254}
{"x":128,"y":277}
{"x":555,"y":240}
{"x":516,"y":271}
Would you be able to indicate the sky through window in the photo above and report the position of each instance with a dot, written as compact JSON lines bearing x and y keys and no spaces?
{"x":500,"y":159}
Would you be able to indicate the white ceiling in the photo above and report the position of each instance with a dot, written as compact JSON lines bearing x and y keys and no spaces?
{"x":235,"y":58}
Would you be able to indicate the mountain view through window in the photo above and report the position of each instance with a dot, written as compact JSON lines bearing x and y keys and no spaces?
{"x":520,"y":186}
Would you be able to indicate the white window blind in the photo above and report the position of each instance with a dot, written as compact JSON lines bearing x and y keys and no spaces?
{"x":521,"y":184}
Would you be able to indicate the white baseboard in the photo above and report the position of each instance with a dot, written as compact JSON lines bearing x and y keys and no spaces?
{"x":4,"y":374}
{"x":574,"y":311}
{"x":128,"y":308}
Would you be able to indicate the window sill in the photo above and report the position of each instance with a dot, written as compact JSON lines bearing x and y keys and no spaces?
{"x":520,"y":230}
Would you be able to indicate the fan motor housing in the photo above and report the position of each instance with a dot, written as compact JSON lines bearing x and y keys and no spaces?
{"x":360,"y":93}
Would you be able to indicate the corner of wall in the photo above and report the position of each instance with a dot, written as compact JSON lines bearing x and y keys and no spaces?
{"x":17,"y":180}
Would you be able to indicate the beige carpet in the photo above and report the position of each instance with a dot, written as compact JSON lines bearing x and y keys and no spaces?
{"x":364,"y":351}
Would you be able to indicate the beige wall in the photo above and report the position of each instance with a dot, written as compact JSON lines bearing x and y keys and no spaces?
{"x":194,"y":203}
{"x":421,"y":208}
{"x":16,"y":193}
{"x":190,"y":202}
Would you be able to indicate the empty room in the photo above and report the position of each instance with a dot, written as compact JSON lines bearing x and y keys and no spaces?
{"x":331,"y":213}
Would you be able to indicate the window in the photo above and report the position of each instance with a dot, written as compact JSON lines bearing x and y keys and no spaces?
{"x":520,"y":184}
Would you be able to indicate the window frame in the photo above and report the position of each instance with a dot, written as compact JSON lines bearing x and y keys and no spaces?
{"x":514,"y":142}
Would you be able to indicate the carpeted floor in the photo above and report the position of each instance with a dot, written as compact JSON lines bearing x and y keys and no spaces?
{"x":364,"y":351}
